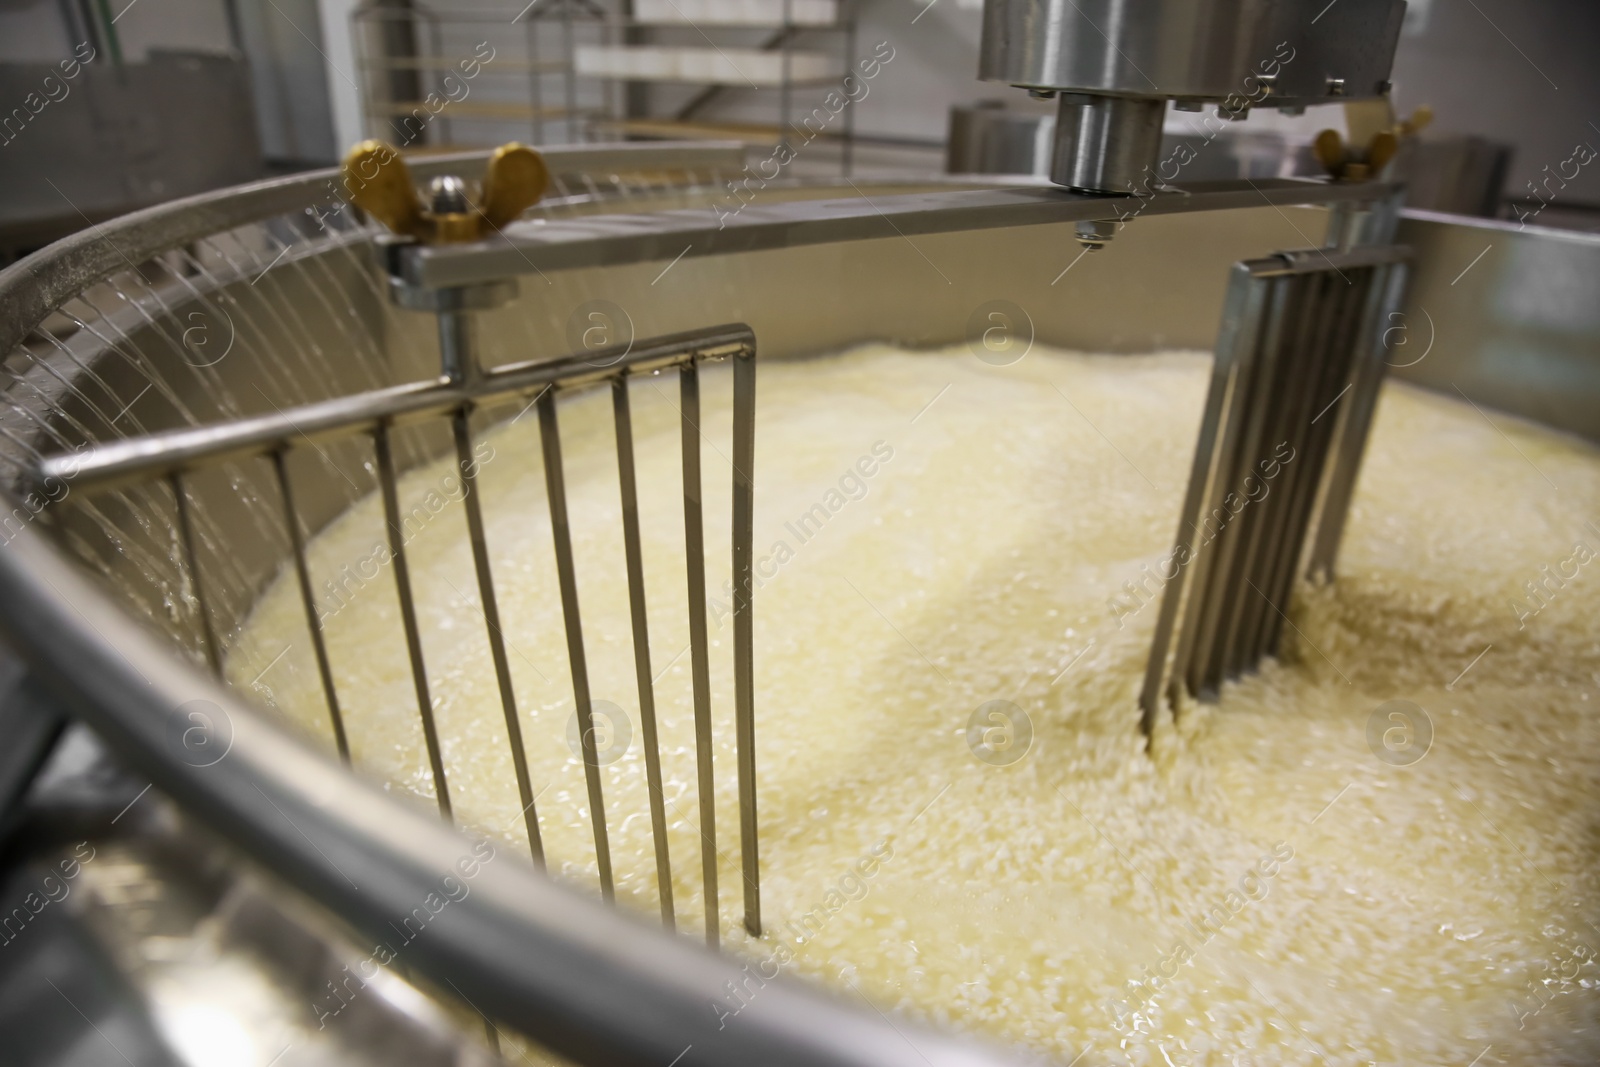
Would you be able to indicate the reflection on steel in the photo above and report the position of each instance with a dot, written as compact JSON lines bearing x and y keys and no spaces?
{"x":609,"y":240}
{"x":990,"y":138}
{"x":593,"y":984}
{"x":37,"y":284}
{"x":116,"y":463}
{"x":1116,"y":64}
{"x":634,"y":554}
{"x":388,"y":480}
{"x":1107,"y":143}
{"x":1299,"y":362}
{"x":455,"y":395}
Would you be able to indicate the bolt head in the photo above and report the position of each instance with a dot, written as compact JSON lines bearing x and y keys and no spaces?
{"x":1335,"y":86}
{"x":1094,"y":235}
{"x":447,"y":195}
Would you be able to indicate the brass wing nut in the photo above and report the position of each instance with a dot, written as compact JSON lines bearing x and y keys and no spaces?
{"x":378,"y":181}
{"x":1344,"y":163}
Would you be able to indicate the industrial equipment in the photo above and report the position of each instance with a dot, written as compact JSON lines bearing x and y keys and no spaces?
{"x":191,"y":502}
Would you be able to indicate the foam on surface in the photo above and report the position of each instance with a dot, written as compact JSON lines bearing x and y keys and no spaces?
{"x":1424,"y":912}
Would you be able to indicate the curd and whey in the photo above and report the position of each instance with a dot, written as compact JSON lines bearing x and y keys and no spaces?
{"x":1380,"y":850}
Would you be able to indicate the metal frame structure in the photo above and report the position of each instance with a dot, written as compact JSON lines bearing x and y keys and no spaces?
{"x":587,"y":980}
{"x":400,"y":62}
{"x":1301,"y":332}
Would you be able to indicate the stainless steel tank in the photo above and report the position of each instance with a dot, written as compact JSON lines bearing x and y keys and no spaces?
{"x":237,"y":306}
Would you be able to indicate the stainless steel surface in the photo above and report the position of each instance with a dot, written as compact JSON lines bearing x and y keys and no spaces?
{"x":1506,"y":316}
{"x":71,"y":265}
{"x":197,"y":582}
{"x":556,"y":494}
{"x":633,"y":552}
{"x":1354,"y":425}
{"x":171,"y":455}
{"x":96,"y":148}
{"x":1159,"y":285}
{"x":612,"y":240}
{"x":1459,"y":174}
{"x":119,"y":463}
{"x":990,"y":138}
{"x":592,"y":983}
{"x":1295,"y":381}
{"x":1183,"y":49}
{"x":1107,"y":144}
{"x":466,"y":463}
{"x":699,"y":666}
{"x":744,"y":684}
{"x":1117,"y":63}
{"x":308,"y":600}
{"x":388,"y":479}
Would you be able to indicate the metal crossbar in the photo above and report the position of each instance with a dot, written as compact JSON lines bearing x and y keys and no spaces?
{"x":175,"y":455}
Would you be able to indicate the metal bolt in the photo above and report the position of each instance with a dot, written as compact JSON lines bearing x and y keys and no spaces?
{"x":447,"y":195}
{"x":1095,"y":235}
{"x":1042,"y":94}
{"x":1188,"y":105}
{"x":1335,"y":86}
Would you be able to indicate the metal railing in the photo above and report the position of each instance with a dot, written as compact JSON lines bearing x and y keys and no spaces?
{"x":175,"y":455}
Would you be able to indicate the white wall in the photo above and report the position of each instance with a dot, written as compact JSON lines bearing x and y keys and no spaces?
{"x":342,"y":76}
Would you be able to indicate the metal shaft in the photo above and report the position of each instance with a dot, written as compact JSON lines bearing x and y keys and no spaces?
{"x":566,"y":573}
{"x":388,"y":482}
{"x":208,"y":632}
{"x":699,"y":663}
{"x":302,"y":570}
{"x":467,"y":463}
{"x":634,"y":553}
{"x":744,"y":489}
{"x":1107,"y":144}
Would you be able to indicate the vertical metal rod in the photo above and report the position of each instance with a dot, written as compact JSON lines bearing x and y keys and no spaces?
{"x":1257,"y":311}
{"x":468,"y":466}
{"x":1262,"y":412}
{"x":555,"y":487}
{"x":641,"y":641}
{"x":389,"y":485}
{"x":1343,"y":335}
{"x":1355,"y":421}
{"x":1320,"y":362}
{"x":1299,"y":361}
{"x":1241,"y":315}
{"x":1203,"y":676}
{"x":700,"y":668}
{"x":744,"y":498}
{"x":213,"y":648}
{"x":458,"y":346}
{"x":302,"y":570}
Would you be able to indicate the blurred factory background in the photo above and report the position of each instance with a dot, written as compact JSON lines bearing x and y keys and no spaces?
{"x":109,"y":105}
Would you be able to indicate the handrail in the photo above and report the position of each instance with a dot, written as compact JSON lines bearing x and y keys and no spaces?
{"x":114,"y":463}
